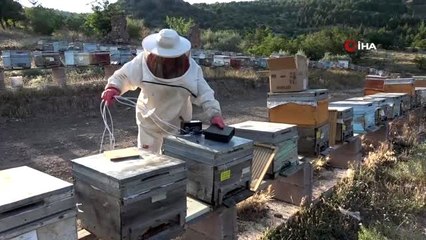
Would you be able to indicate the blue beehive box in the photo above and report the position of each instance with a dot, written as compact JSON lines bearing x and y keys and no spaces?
{"x":13,"y":59}
{"x":381,"y":107}
{"x":90,"y":47}
{"x":364,"y":114}
{"x":121,"y":56}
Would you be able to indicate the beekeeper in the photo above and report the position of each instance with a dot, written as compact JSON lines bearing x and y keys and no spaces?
{"x":170,"y":81}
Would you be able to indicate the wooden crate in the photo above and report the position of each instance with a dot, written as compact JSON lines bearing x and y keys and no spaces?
{"x":217,"y":171}
{"x":142,"y":196}
{"x":313,"y":141}
{"x":39,"y":202}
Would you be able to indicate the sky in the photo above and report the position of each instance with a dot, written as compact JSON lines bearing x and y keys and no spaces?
{"x":84,"y":6}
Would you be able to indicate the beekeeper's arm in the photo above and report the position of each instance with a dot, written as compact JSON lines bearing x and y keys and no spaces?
{"x":126,"y":78}
{"x":123,"y":80}
{"x":205,"y":99}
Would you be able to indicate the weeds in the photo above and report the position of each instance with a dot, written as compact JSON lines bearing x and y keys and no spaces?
{"x":254,"y":207}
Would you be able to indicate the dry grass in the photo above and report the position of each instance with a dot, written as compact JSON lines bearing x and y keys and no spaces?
{"x":388,"y":191}
{"x":254,"y":207}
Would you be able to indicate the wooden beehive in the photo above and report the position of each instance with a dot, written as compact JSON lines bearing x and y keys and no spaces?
{"x":400,"y":85}
{"x":419,"y":81}
{"x":340,"y":124}
{"x":381,"y":108}
{"x":374,"y":82}
{"x":47,"y":59}
{"x":100,"y":58}
{"x":34,"y":204}
{"x":282,"y":136}
{"x":131,"y":196}
{"x":364,"y":114}
{"x":16,"y":59}
{"x":313,"y":140}
{"x":393,"y":101}
{"x":421,"y":97}
{"x":307,"y":108}
{"x":217,"y":172}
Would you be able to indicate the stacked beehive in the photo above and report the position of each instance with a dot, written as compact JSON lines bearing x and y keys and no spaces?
{"x":218,"y":173}
{"x":364,"y":114}
{"x":290,"y":102}
{"x":34,"y":205}
{"x":131,"y":194}
{"x":282,"y":136}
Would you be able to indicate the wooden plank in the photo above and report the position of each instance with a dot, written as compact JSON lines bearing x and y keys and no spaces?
{"x":195,"y":209}
{"x":262,"y":160}
{"x":333,"y":127}
{"x":122,"y":154}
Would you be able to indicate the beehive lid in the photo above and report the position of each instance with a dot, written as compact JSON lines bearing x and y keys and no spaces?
{"x":265,"y":132}
{"x":344,"y":113}
{"x":386,"y":96}
{"x":307,"y":95}
{"x":358,"y":106}
{"x":376,"y":100}
{"x":23,"y":185}
{"x":197,"y":148}
{"x":117,"y":173}
{"x":397,"y":81}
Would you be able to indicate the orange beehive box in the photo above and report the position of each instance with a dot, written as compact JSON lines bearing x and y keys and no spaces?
{"x":305,"y":109}
{"x":375,"y":82}
{"x":400,"y":85}
{"x":419,"y":81}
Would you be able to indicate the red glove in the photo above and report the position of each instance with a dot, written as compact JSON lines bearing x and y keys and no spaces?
{"x":218,"y":121}
{"x":109,"y":94}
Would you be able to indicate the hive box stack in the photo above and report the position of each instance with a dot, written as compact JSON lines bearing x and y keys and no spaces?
{"x":136,"y":196}
{"x":34,"y":205}
{"x":47,"y":59}
{"x":382,"y":109}
{"x":364,"y":114}
{"x":340,"y":124}
{"x":393,"y":101}
{"x":309,"y":111}
{"x":218,"y":173}
{"x":282,"y":136}
{"x":16,"y":59}
{"x":374,"y":84}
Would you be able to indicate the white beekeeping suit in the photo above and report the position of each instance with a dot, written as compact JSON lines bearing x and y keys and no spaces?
{"x":170,"y":81}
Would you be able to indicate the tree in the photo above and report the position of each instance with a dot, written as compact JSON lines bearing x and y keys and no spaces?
{"x":180,"y":24}
{"x":419,"y":40}
{"x":99,"y":22}
{"x":10,"y":11}
{"x":137,"y":29}
{"x":42,"y":24}
{"x":223,"y":40}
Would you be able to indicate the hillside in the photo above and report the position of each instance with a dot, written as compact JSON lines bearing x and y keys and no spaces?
{"x":289,"y":17}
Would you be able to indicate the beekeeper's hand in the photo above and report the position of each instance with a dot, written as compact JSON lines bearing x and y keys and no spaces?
{"x":218,"y":122}
{"x":109,"y":94}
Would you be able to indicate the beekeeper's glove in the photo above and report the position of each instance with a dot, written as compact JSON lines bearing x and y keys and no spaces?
{"x":109,"y":94}
{"x":218,"y":122}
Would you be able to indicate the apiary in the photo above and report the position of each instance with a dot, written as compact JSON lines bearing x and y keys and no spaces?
{"x":35,"y":204}
{"x":364,"y":114}
{"x":382,"y":109}
{"x":13,"y":59}
{"x":132,"y":195}
{"x":100,"y":58}
{"x":283,"y":136}
{"x":307,"y":108}
{"x":47,"y":59}
{"x":313,"y":140}
{"x":218,"y":173}
{"x":344,"y":118}
{"x":421,"y":97}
